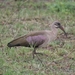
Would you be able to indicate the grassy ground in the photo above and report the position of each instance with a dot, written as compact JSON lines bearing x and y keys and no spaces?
{"x":19,"y":18}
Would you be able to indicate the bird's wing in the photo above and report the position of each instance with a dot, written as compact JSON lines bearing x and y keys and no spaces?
{"x":36,"y":40}
{"x":32,"y":39}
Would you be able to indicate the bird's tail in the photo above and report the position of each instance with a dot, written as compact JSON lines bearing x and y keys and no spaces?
{"x":16,"y":42}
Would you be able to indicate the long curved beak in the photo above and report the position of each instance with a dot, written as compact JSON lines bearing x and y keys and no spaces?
{"x":63,"y":30}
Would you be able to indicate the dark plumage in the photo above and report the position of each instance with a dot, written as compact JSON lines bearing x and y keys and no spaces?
{"x":37,"y":39}
{"x":34,"y":39}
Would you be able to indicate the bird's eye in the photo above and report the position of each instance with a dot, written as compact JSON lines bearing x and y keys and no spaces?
{"x":58,"y":23}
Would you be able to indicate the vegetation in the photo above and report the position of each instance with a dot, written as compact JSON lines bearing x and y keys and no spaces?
{"x":18,"y":18}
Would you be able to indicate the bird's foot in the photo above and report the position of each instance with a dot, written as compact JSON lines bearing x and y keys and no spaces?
{"x":35,"y":53}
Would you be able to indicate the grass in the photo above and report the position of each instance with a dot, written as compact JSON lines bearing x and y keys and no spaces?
{"x":21,"y":17}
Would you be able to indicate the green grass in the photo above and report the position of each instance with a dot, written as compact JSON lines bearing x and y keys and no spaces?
{"x":21,"y":17}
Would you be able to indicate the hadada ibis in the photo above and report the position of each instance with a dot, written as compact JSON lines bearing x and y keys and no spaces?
{"x":39,"y":38}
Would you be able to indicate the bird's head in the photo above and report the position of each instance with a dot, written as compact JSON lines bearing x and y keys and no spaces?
{"x":57,"y":24}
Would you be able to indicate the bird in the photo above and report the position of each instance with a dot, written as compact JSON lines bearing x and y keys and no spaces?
{"x":38,"y":39}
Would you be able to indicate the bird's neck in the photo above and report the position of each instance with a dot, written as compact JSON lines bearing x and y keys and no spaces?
{"x":54,"y":31}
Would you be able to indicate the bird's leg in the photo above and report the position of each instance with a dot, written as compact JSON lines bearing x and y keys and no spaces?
{"x":34,"y":52}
